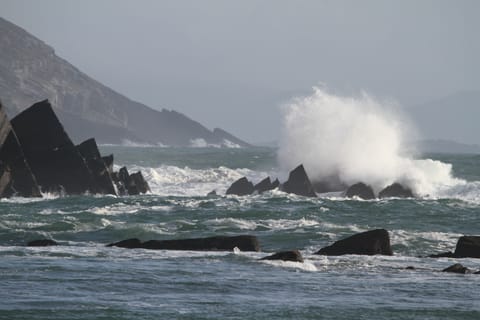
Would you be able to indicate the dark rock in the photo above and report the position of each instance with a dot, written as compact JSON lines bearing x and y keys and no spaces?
{"x":219,"y":243}
{"x":410,"y":268}
{"x":448,"y":254}
{"x":457,"y":268}
{"x":53,"y":159}
{"x":42,"y":243}
{"x":139,"y":181}
{"x":478,"y":272}
{"x":329,"y":184}
{"x":103,"y":183}
{"x":133,"y":243}
{"x":293,"y":255}
{"x":16,"y":177}
{"x":241,"y":187}
{"x":212,"y":193}
{"x":366,"y":243}
{"x":108,"y":160}
{"x":130,"y":184}
{"x":275,"y":184}
{"x":396,"y":190}
{"x":360,"y":190}
{"x":265,"y":185}
{"x":298,"y":183}
{"x":468,"y":247}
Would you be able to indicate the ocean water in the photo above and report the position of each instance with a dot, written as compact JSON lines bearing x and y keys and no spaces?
{"x":83,"y":279}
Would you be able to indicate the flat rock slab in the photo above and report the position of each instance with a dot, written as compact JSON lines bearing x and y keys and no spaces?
{"x":366,"y":243}
{"x":293,"y":255}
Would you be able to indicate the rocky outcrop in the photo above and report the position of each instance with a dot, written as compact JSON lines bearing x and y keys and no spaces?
{"x":371,"y":242}
{"x":218,"y":243}
{"x":298,"y":183}
{"x":241,"y":187}
{"x":457,"y":268}
{"x":42,"y":243}
{"x":293,"y":255}
{"x":396,"y":190}
{"x":360,"y":190}
{"x":130,"y":184}
{"x":266,"y":185}
{"x":467,"y":247}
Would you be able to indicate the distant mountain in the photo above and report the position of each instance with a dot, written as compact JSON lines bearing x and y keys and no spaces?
{"x":455,"y":117}
{"x":30,"y":71}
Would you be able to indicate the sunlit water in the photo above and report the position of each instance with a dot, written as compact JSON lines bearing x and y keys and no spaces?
{"x":83,"y":279}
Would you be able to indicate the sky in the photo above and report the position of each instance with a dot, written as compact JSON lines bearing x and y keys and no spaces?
{"x":233,"y":64}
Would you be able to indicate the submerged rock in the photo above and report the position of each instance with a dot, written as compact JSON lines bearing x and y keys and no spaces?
{"x":298,"y":183}
{"x":448,"y":254}
{"x":218,"y":243}
{"x":457,"y":268}
{"x":360,"y":190}
{"x":366,"y":243}
{"x":241,"y":187}
{"x":396,"y":190}
{"x":42,"y":243}
{"x":293,"y":255}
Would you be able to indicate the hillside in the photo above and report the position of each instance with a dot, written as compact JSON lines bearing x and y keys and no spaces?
{"x":30,"y":71}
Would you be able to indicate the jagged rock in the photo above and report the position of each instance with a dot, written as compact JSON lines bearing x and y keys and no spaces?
{"x":212,"y":193}
{"x":457,"y":268}
{"x":219,"y":243}
{"x":298,"y":183}
{"x":410,"y":268}
{"x":42,"y":243}
{"x":241,"y":187}
{"x":360,"y":190}
{"x":139,"y":181}
{"x":275,"y":184}
{"x":103,"y":183}
{"x":396,"y":190}
{"x":53,"y":159}
{"x":108,"y":160}
{"x":468,"y":247}
{"x":16,"y":177}
{"x":293,"y":255}
{"x":266,"y":185}
{"x":127,"y":184}
{"x":366,"y":243}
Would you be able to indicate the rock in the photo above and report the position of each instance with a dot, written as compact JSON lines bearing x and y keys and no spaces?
{"x":42,"y":243}
{"x":212,"y":193}
{"x":53,"y":159}
{"x":133,"y":243}
{"x":241,"y":187}
{"x":131,"y":184}
{"x":329,"y":184}
{"x":218,"y":243}
{"x":140,"y":182}
{"x":448,"y":254}
{"x":266,"y":185}
{"x":298,"y":183}
{"x":457,"y":268}
{"x":16,"y":177}
{"x":360,"y":190}
{"x":468,"y":247}
{"x":366,"y":243}
{"x":103,"y":183}
{"x":396,"y":190}
{"x":293,"y":255}
{"x":108,"y":160}
{"x":410,"y":268}
{"x":478,"y":272}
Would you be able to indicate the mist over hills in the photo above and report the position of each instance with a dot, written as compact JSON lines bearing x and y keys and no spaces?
{"x":30,"y":71}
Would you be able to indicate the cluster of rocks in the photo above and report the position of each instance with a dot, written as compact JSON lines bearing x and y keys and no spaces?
{"x":300,"y":184}
{"x":37,"y":155}
{"x":373,"y":242}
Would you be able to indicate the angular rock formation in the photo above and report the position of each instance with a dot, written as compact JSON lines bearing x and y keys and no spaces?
{"x":457,"y":268}
{"x":366,"y":243}
{"x":298,"y":183}
{"x":360,"y":190}
{"x":16,"y":177}
{"x":293,"y":255}
{"x":130,"y":184}
{"x":266,"y":185}
{"x":103,"y":183}
{"x":241,"y":187}
{"x":396,"y":190}
{"x":219,"y":243}
{"x":54,"y":160}
{"x":468,"y":247}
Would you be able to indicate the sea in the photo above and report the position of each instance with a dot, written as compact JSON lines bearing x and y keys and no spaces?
{"x":83,"y":279}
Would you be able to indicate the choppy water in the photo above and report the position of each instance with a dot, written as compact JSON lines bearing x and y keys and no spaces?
{"x":82,"y":279}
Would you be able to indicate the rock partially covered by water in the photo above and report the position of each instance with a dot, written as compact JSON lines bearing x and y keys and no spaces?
{"x":360,"y":190}
{"x":298,"y":183}
{"x":53,"y":158}
{"x":130,"y":184}
{"x":218,"y":243}
{"x":468,"y":247}
{"x":366,"y":243}
{"x":42,"y":243}
{"x":266,"y":185}
{"x":457,"y":268}
{"x":293,"y":255}
{"x":241,"y":187}
{"x":396,"y":190}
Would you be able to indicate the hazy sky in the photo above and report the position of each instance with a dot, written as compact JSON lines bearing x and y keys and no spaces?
{"x":232,"y":63}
